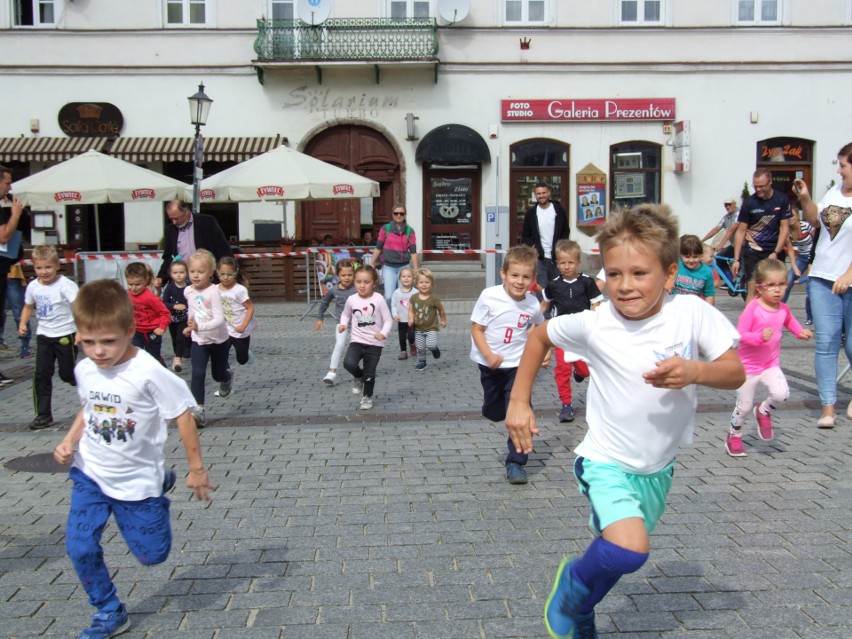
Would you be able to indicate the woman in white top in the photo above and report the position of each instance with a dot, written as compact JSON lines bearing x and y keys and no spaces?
{"x":830,"y":279}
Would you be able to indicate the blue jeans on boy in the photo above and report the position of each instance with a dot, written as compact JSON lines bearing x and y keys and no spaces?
{"x":145,"y":526}
{"x":832,"y":316}
{"x":802,"y":262}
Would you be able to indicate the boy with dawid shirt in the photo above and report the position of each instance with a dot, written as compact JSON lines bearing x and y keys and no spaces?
{"x":128,"y":399}
{"x":649,"y":351}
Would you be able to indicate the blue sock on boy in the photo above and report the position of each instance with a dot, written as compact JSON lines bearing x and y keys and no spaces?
{"x":601,"y":566}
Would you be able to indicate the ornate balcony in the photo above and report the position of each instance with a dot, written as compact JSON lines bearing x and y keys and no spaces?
{"x":293,"y":43}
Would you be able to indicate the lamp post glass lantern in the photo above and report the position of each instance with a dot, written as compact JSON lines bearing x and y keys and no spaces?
{"x":199,"y":109}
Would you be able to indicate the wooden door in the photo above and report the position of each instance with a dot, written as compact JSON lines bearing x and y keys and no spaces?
{"x":365,"y":152}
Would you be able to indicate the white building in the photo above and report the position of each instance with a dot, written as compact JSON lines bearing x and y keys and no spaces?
{"x":437,"y":112}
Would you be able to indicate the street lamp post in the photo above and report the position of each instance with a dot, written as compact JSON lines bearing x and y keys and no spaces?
{"x":199,"y":109}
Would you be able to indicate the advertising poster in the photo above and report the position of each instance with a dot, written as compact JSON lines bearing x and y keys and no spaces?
{"x":591,"y":204}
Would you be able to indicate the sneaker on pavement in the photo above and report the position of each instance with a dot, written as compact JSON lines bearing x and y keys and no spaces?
{"x":169,"y":480}
{"x":366,"y":403}
{"x":330,"y":378}
{"x":561,"y":612}
{"x":764,"y":424}
{"x":176,"y":365}
{"x":436,"y":353}
{"x":26,"y":351}
{"x":197,"y":413}
{"x":809,"y":322}
{"x":41,"y":421}
{"x":403,"y":355}
{"x":107,"y":624}
{"x":225,"y":387}
{"x":734,"y":446}
{"x":250,"y":359}
{"x":515,"y":474}
{"x":5,"y":380}
{"x":358,"y":387}
{"x":567,"y":413}
{"x":412,"y":350}
{"x":584,"y":627}
{"x":420,"y":365}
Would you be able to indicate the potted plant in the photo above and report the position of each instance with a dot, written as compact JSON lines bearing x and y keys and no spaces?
{"x":287,"y":243}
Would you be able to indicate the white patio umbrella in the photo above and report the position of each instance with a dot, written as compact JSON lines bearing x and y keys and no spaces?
{"x":95,"y":178}
{"x":284,"y":174}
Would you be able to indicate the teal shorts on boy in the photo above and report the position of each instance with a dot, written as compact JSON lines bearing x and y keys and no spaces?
{"x":615,"y":494}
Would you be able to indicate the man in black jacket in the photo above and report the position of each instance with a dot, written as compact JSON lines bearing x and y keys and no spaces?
{"x":186,"y":234}
{"x":545,"y":224}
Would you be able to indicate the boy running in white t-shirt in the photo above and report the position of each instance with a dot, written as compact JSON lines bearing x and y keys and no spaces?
{"x":649,"y":351}
{"x":119,"y":469}
{"x":500,"y":323}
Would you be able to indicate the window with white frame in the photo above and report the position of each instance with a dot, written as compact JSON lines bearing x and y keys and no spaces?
{"x":36,"y":13}
{"x":525,"y":11}
{"x":186,"y":12}
{"x":758,"y":12}
{"x":641,"y":12}
{"x":282,"y":9}
{"x":402,"y":9}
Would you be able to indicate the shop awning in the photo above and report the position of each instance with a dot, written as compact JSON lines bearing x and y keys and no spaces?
{"x":221,"y":149}
{"x":44,"y":149}
{"x":453,"y":144}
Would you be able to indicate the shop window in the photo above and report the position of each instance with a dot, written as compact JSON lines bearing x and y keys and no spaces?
{"x":37,"y":13}
{"x":751,"y":12}
{"x":635,"y":171}
{"x":186,"y":13}
{"x":641,"y":12}
{"x":525,"y":11}
{"x":282,"y":9}
{"x":402,"y":9}
{"x":788,"y":158}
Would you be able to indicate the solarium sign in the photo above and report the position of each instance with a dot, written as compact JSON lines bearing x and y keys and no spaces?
{"x":569,"y":110}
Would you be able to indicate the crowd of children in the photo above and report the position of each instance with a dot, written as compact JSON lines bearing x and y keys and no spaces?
{"x":644,"y":350}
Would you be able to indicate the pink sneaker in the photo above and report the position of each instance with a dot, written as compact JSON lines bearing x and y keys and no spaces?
{"x":734,"y":446}
{"x":764,"y":424}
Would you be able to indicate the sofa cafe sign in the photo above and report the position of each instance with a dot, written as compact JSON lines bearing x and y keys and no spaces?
{"x":570,"y":110}
{"x":90,"y":119}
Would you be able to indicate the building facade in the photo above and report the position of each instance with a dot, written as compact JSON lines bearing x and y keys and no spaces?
{"x":455,"y":111}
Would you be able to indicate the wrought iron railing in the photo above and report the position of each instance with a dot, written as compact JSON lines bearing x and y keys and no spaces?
{"x":367,"y":39}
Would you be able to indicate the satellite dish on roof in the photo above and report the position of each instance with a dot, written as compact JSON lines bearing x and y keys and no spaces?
{"x":453,"y":10}
{"x":313,"y":12}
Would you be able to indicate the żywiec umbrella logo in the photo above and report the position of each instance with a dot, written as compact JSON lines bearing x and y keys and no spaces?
{"x":143,"y":194}
{"x":67,"y":196}
{"x":207,"y":194}
{"x":343,"y":189}
{"x":266,"y":191}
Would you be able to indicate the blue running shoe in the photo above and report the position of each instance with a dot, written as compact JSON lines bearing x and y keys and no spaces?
{"x":107,"y":624}
{"x":567,"y":413}
{"x":584,"y":627}
{"x":169,"y":480}
{"x":563,"y":604}
{"x":516,"y":474}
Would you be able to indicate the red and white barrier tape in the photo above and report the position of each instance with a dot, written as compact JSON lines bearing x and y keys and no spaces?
{"x":85,"y":257}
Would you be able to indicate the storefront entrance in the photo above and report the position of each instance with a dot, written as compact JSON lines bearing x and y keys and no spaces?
{"x":788,"y":159}
{"x":536,"y":161}
{"x":451,"y":211}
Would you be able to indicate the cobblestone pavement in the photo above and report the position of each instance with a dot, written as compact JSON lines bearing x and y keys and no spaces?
{"x":328,"y":522}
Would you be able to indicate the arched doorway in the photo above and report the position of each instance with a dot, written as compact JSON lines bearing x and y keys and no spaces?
{"x":366,"y":152}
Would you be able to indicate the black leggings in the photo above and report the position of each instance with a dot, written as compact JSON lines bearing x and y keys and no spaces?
{"x":370,"y":356}
{"x":404,"y":338}
{"x":241,"y":348}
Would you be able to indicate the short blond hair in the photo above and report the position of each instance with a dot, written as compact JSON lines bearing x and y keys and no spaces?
{"x":425,"y":272}
{"x":522,"y":254}
{"x":203,"y":255}
{"x":653,"y":226}
{"x":568,"y":246}
{"x":46,"y":252}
